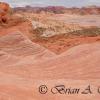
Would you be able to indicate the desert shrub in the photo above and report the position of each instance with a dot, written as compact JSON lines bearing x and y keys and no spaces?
{"x":11,"y":12}
{"x":39,"y":30}
{"x":91,"y":32}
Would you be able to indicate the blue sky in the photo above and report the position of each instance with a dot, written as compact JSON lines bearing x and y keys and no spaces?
{"x":67,"y":3}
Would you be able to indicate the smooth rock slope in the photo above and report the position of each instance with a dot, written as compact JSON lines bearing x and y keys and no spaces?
{"x":24,"y":66}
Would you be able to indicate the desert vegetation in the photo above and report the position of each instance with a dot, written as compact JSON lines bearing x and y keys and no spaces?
{"x":89,"y":32}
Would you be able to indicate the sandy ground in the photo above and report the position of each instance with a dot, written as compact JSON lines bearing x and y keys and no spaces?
{"x":86,"y":20}
{"x":25,"y":65}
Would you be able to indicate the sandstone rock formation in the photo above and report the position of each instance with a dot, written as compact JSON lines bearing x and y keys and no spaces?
{"x":24,"y":66}
{"x":4,"y":10}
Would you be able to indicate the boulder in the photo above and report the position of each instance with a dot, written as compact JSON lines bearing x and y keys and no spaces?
{"x":4,"y":11}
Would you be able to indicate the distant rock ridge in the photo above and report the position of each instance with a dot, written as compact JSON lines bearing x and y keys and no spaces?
{"x":60,"y":10}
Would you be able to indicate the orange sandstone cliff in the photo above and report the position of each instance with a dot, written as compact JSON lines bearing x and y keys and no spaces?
{"x":4,"y":11}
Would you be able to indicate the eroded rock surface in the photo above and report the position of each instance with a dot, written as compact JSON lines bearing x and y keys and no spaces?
{"x":4,"y":10}
{"x":24,"y":66}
